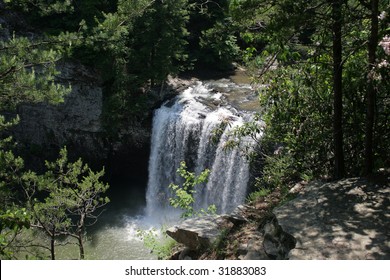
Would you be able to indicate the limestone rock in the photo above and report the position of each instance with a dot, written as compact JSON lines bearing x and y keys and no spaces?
{"x":237,"y":217}
{"x":75,"y":123}
{"x":348,"y":219}
{"x":78,"y":123}
{"x":197,"y":233}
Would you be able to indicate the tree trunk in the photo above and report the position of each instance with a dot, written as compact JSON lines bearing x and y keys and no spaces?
{"x":371,"y":90}
{"x":52,"y":247}
{"x":80,"y":233}
{"x":337,"y":89}
{"x":81,"y":245}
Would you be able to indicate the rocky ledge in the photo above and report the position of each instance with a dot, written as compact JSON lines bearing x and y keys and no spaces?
{"x":347,"y":219}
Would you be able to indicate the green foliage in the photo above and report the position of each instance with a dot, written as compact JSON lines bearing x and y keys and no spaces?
{"x":65,"y":200}
{"x":219,"y":45}
{"x":62,"y":202}
{"x":28,"y":71}
{"x":184,"y":195}
{"x":27,"y":74}
{"x":212,"y":35}
{"x":216,"y":133}
{"x":261,"y":192}
{"x":43,"y":7}
{"x":160,"y":245}
{"x":14,"y":218}
{"x":294,"y":70}
{"x":294,"y":136}
{"x":137,"y":47}
{"x":219,"y":245}
{"x":11,"y":223}
{"x":76,"y":183}
{"x":160,"y":46}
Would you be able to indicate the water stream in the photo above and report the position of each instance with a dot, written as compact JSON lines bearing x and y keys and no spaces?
{"x":196,"y":127}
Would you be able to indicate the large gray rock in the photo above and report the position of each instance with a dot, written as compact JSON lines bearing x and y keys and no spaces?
{"x":197,"y":233}
{"x":348,"y":219}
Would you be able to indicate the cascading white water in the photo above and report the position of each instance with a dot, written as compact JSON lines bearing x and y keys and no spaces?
{"x":182,"y":131}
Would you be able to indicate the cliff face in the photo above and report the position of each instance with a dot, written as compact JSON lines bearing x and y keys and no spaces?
{"x":78,"y":124}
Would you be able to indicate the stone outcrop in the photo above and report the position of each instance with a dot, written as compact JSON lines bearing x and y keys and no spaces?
{"x":348,"y":219}
{"x":248,"y":240}
{"x":198,"y":233}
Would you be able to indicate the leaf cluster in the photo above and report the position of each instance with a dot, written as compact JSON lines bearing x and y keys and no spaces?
{"x":160,"y":245}
{"x":184,"y":198}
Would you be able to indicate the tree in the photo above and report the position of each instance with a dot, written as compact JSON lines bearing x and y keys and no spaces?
{"x":313,"y":51}
{"x":212,"y":36}
{"x":65,"y":200}
{"x":50,"y":217}
{"x":337,"y":18}
{"x":28,"y":74}
{"x":27,"y":71}
{"x":83,"y":193}
{"x":141,"y":44}
{"x":289,"y":28}
{"x":158,"y":41}
{"x":12,"y":222}
{"x":371,"y":89}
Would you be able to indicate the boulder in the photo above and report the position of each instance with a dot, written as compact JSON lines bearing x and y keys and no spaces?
{"x":197,"y":233}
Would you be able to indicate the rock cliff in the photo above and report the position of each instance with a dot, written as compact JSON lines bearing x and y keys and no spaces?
{"x":78,"y":124}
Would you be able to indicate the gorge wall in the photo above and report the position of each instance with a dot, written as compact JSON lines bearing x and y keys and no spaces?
{"x":78,"y":124}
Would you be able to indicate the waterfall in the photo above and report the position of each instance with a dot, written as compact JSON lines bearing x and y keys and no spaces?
{"x":182,"y":131}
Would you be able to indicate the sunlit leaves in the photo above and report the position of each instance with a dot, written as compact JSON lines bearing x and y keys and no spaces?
{"x":184,"y":195}
{"x":28,"y":72}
